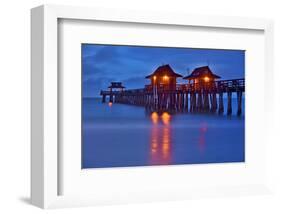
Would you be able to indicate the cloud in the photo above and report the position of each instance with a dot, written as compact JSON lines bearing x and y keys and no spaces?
{"x":102,"y":64}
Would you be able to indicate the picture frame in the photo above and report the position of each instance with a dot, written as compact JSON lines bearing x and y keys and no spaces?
{"x":46,"y":99}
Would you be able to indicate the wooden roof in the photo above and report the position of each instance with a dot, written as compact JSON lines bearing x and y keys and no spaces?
{"x":116,"y":85}
{"x":202,"y":72}
{"x":162,"y":71}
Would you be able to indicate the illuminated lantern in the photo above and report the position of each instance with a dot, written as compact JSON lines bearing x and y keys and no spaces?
{"x":206,"y":79}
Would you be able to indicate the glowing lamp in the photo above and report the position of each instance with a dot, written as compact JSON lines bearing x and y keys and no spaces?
{"x":206,"y":79}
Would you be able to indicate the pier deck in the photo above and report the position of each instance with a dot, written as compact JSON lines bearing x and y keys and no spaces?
{"x":191,"y":97}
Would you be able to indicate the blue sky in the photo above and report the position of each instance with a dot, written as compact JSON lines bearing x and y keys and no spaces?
{"x":102,"y":64}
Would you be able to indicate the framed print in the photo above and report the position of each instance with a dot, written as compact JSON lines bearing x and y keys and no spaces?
{"x":132,"y":106}
{"x":175,"y":116}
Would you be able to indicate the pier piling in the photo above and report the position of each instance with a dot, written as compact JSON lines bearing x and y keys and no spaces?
{"x":221,"y":108}
{"x":199,"y":101}
{"x":229,"y":103}
{"x":103,"y":98}
{"x":186,"y":102}
{"x":239,"y":103}
{"x":206,"y":101}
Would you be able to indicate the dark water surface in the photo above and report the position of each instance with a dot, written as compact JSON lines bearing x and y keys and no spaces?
{"x":121,"y":135}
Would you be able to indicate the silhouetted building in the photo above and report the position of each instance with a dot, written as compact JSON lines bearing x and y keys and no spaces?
{"x":117,"y":86}
{"x":164,"y":77}
{"x":202,"y":75}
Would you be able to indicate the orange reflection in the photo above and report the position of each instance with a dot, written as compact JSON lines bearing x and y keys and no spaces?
{"x":202,"y":135}
{"x":166,"y":118}
{"x":160,"y":142}
{"x":110,"y":104}
{"x":154,"y":117}
{"x":154,"y":146}
{"x":166,"y":144}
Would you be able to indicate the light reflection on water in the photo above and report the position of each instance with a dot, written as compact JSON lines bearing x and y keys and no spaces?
{"x":160,"y":142}
{"x":202,"y":137}
{"x":116,"y":135}
{"x":161,"y":139}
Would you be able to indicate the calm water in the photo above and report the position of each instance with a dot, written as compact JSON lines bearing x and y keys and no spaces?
{"x":122,"y":135}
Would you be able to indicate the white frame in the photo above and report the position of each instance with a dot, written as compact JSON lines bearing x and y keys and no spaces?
{"x":44,"y":70}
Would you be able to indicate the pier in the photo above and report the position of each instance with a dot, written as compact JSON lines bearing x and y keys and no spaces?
{"x":203,"y":93}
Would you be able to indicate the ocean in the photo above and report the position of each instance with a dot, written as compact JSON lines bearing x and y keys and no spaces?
{"x":120,"y":135}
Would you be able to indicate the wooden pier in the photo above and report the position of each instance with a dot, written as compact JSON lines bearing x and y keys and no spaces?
{"x":202,"y":94}
{"x":191,"y":97}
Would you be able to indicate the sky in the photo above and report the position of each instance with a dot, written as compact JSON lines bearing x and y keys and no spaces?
{"x":103,"y":64}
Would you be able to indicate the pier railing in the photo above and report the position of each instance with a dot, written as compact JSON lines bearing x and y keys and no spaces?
{"x":215,"y":86}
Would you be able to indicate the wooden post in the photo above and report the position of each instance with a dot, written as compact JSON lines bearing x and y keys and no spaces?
{"x":179,"y":101}
{"x":214,"y":102}
{"x":182,"y":101}
{"x":193,"y":102}
{"x":206,"y":101}
{"x":229,"y":103}
{"x":162,"y":100}
{"x":221,"y":110}
{"x":103,"y":98}
{"x":199,"y":101}
{"x":173,"y":99}
{"x":176,"y":101}
{"x":239,"y":103}
{"x":170,"y":100}
{"x":111,"y":98}
{"x":186,"y":101}
{"x":159,"y":98}
{"x":166,"y":101}
{"x":159,"y":106}
{"x":211,"y":102}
